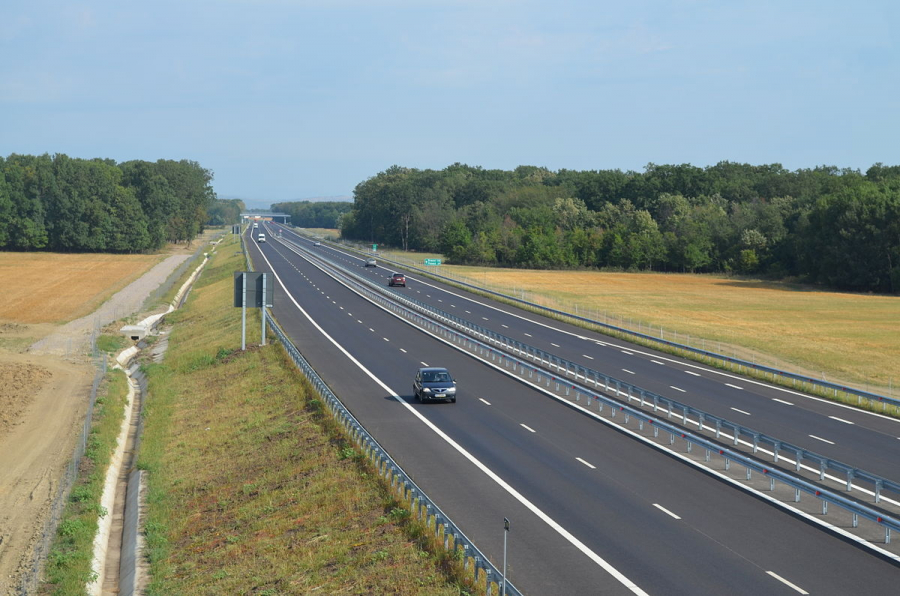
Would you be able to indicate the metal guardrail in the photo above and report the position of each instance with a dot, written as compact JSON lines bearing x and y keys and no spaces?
{"x":397,"y":478}
{"x":534,"y":354}
{"x":775,"y":372}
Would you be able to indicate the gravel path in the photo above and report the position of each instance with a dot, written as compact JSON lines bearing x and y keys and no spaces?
{"x":74,"y":337}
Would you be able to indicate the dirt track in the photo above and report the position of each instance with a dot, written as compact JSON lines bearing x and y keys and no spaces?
{"x":43,"y":401}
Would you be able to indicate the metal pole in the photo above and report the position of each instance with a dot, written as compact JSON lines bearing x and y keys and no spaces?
{"x":263,"y":311}
{"x":244,"y":313}
{"x":505,"y":534}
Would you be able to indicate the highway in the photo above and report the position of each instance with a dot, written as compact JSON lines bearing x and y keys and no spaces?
{"x":592,"y":510}
{"x":862,"y":439}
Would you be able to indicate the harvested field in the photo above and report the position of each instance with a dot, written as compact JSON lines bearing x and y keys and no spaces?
{"x":55,"y":288}
{"x":846,"y":336}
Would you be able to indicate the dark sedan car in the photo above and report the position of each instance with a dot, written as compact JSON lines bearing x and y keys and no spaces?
{"x":397,"y":279}
{"x":434,"y":383}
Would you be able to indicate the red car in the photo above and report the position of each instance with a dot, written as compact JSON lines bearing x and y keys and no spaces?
{"x":397,"y":279}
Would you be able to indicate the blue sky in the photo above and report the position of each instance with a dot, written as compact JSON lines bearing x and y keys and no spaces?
{"x":291,"y":99}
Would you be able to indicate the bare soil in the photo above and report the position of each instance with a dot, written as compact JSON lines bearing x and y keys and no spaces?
{"x":45,"y":378}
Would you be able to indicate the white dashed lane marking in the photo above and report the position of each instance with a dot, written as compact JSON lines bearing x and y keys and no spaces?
{"x":666,"y":511}
{"x":528,"y":428}
{"x":588,"y":357}
{"x":690,"y":372}
{"x":627,"y":352}
{"x":554,"y":345}
{"x":734,"y":386}
{"x":527,"y":335}
{"x":787,"y":583}
{"x":821,"y":439}
{"x":591,"y":466}
{"x":741,"y":412}
{"x":484,"y":400}
{"x":677,"y":388}
{"x":658,"y":362}
{"x":781,"y":401}
{"x":423,"y":363}
{"x":841,"y":420}
{"x":402,"y":350}
{"x":630,"y":372}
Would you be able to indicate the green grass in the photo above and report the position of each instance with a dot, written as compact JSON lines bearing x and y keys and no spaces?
{"x":68,"y":566}
{"x":252,"y":488}
{"x":111,"y":344}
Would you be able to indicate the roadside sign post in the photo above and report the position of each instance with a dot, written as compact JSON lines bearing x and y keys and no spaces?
{"x":244,"y":313}
{"x":262,"y":313}
{"x":505,"y":534}
{"x":252,"y":289}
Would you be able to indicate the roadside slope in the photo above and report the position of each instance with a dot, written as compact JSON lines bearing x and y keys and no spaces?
{"x":247,"y":493}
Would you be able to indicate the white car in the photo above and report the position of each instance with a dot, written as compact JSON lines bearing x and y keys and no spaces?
{"x":261,"y":238}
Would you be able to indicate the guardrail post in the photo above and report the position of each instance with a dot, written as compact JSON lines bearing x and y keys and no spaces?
{"x":849,"y":480}
{"x":878,"y":484}
{"x":822,"y":470}
{"x":796,"y":495}
{"x":727,"y":463}
{"x":855,"y":520}
{"x":700,"y":419}
{"x":824,"y":507}
{"x":755,"y":443}
{"x":798,"y":457}
{"x":887,"y":535}
{"x":736,"y":432}
{"x":655,"y":404}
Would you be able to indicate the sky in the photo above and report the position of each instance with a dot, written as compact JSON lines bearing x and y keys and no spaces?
{"x":295,"y":99}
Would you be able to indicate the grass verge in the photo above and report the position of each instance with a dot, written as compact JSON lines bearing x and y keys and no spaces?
{"x":252,"y":489}
{"x":68,"y":567}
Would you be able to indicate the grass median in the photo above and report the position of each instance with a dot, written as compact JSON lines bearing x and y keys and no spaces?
{"x":251,"y":489}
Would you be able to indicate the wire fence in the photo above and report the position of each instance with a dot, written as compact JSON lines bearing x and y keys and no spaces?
{"x":31,"y":579}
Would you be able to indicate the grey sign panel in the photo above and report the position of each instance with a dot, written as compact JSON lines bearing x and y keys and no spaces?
{"x":254,"y":289}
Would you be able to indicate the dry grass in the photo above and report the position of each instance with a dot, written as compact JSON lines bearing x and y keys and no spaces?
{"x":248,"y":494}
{"x":55,"y":287}
{"x":847,"y":336}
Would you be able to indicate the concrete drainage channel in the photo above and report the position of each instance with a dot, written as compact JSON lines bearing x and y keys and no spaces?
{"x":117,"y":560}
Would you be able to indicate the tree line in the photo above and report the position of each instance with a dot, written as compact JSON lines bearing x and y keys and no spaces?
{"x":314,"y":214}
{"x":66,"y":204}
{"x":837,"y":227}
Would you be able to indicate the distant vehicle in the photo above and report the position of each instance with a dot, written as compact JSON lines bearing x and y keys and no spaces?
{"x":371,"y":263}
{"x":317,"y":244}
{"x":434,"y":383}
{"x":255,"y":225}
{"x":261,"y":238}
{"x":397,"y":279}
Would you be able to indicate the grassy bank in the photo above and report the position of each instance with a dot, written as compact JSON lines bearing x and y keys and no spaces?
{"x":68,"y":567}
{"x":252,"y":489}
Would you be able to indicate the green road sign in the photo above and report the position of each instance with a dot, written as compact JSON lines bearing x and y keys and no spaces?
{"x":374,"y":247}
{"x":432,"y":261}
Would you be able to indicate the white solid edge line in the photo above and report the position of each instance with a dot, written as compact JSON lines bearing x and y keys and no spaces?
{"x":618,"y":575}
{"x":666,"y":511}
{"x":787,"y":583}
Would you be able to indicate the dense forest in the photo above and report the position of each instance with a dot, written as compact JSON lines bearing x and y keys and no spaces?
{"x":319,"y":214}
{"x":837,"y":227}
{"x":65,"y":204}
